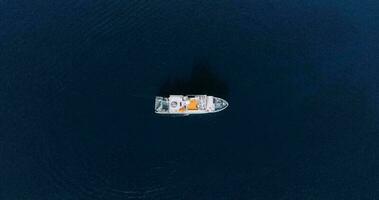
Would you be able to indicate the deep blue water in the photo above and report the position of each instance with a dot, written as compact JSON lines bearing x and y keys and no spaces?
{"x":78,"y":80}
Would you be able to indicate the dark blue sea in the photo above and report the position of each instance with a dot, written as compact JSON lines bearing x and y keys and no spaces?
{"x":78,"y":80}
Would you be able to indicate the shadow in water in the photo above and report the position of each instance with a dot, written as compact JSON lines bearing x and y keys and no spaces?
{"x":202,"y":80}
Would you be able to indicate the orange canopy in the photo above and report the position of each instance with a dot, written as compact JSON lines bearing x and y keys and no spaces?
{"x":193,"y":104}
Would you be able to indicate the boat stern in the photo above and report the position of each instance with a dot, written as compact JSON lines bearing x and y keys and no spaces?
{"x":161,"y":105}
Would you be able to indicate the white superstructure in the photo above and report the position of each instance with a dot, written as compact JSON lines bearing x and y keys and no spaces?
{"x":189,"y":104}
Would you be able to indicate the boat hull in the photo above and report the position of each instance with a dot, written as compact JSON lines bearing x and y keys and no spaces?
{"x":189,"y":104}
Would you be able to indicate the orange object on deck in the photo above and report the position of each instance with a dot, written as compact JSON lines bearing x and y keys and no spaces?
{"x":193,"y":104}
{"x":182,"y":109}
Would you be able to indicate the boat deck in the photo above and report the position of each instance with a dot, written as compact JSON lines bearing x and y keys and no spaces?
{"x":191,"y":104}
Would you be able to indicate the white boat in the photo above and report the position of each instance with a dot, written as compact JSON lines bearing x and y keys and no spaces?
{"x":189,"y":104}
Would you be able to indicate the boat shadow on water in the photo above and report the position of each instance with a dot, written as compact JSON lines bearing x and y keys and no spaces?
{"x":202,"y":80}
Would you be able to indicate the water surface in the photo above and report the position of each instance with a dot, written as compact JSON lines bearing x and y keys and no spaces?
{"x":78,"y":80}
